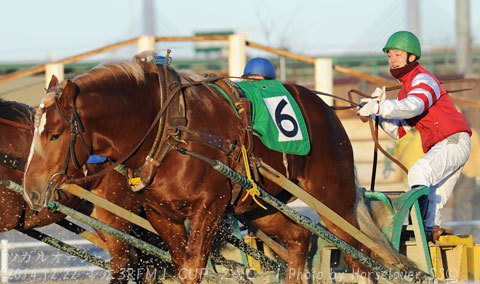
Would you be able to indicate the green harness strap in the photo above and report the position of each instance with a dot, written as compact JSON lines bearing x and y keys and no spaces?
{"x":226,"y":96}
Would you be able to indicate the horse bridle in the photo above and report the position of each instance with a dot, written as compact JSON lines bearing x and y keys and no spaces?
{"x":76,"y":129}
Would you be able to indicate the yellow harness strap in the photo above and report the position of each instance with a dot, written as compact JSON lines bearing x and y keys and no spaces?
{"x":254,"y":190}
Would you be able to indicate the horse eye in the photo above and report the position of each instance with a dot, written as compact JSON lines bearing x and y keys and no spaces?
{"x":54,"y":137}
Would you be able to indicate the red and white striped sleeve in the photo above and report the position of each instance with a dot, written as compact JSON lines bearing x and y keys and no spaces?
{"x":424,"y":92}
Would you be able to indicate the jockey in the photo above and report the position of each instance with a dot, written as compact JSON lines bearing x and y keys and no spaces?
{"x":259,"y":68}
{"x":424,"y":104}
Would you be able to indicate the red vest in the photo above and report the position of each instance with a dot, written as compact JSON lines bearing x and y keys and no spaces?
{"x":440,"y":118}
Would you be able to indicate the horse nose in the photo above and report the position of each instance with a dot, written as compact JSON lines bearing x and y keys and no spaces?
{"x":34,"y":197}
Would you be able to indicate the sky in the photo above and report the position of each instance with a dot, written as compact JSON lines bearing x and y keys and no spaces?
{"x":42,"y":31}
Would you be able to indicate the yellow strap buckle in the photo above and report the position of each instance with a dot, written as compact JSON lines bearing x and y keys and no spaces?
{"x":134,"y":181}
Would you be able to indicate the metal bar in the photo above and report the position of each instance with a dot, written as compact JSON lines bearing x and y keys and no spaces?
{"x":65,"y":247}
{"x":111,"y":231}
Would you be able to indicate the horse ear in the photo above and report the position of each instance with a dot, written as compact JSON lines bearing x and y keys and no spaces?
{"x":53,"y":82}
{"x":68,"y":93}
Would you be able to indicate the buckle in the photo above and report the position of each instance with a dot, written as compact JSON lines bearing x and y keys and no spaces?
{"x":16,"y":163}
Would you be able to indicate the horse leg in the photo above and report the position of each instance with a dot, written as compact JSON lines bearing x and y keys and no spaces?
{"x":121,"y":254}
{"x":203,"y":229}
{"x":174,"y":234}
{"x":12,"y":207}
{"x":296,"y":239}
{"x":123,"y":257}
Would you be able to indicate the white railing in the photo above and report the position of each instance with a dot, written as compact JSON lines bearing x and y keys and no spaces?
{"x":16,"y":274}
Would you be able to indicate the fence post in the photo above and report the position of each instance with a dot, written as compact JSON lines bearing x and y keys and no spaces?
{"x":4,"y":260}
{"x":146,"y":43}
{"x":236,"y":54}
{"x":54,"y":69}
{"x":324,"y":78}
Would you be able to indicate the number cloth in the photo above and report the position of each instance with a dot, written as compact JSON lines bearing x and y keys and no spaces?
{"x":277,"y":117}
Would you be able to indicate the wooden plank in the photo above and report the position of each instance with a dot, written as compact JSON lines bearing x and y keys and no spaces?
{"x":281,"y":52}
{"x":83,"y":233}
{"x":192,"y":38}
{"x":276,"y":247}
{"x":453,"y":263}
{"x":437,"y":262}
{"x":474,"y":263}
{"x":423,"y":259}
{"x":109,"y":206}
{"x":368,"y":77}
{"x":67,"y":60}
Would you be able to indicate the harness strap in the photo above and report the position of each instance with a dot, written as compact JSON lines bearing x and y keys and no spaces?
{"x":140,"y":143}
{"x":175,"y":116}
{"x":253,"y":191}
{"x":12,"y":162}
{"x":244,"y":109}
{"x":16,"y":124}
{"x":230,"y":148}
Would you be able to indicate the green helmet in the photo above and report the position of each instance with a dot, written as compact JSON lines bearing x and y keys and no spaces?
{"x":405,"y":41}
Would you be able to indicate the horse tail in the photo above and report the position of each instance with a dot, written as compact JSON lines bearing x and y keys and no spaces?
{"x":370,"y":227}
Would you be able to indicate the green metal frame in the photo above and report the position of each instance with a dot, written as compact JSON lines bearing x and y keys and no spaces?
{"x":400,"y":208}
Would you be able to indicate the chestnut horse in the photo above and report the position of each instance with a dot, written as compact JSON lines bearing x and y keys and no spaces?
{"x":16,"y":133}
{"x":119,"y":104}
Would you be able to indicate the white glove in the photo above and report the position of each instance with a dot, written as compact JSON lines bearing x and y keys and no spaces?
{"x":370,"y":107}
{"x":379,"y":94}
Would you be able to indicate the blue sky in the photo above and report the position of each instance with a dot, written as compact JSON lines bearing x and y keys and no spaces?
{"x":38,"y":31}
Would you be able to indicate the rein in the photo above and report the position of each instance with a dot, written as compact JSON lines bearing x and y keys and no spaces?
{"x":75,"y":125}
{"x":160,"y":113}
{"x":374,"y":133}
{"x":16,"y":124}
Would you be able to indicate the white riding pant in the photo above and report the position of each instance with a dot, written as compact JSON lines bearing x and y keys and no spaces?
{"x":439,"y":169}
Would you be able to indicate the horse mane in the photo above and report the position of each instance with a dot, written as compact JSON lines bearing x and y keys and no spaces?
{"x":109,"y":75}
{"x":16,"y":111}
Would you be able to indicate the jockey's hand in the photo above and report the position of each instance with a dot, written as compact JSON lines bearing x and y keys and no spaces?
{"x":370,"y":107}
{"x":380,"y":94}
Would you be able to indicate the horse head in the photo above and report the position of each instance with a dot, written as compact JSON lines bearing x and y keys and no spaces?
{"x":93,"y":113}
{"x":57,"y":129}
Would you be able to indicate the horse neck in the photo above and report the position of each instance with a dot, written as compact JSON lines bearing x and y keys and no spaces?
{"x":118,"y":118}
{"x":16,"y":111}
